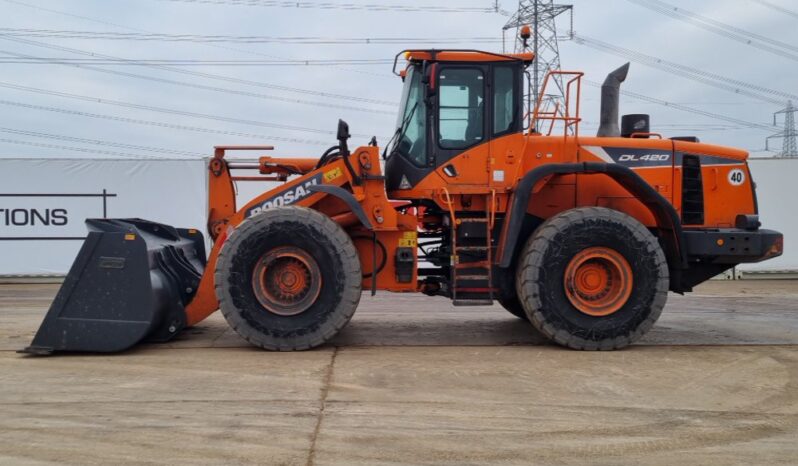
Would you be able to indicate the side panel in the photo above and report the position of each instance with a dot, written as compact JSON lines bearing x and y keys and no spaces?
{"x":651,"y":159}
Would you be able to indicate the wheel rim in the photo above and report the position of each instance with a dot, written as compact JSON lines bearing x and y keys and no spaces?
{"x":286,"y":281}
{"x":598,"y":281}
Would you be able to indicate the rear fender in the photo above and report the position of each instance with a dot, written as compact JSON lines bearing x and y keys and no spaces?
{"x":667,"y":218}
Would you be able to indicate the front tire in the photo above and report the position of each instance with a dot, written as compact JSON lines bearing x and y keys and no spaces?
{"x":288,"y":279}
{"x":593,"y":279}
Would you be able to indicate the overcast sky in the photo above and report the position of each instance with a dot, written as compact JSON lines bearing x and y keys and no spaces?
{"x":313,"y":117}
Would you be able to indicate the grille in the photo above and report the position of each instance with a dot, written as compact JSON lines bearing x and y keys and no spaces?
{"x":692,"y":191}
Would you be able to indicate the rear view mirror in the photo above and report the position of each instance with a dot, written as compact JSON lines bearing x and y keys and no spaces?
{"x":431,"y":81}
{"x":343,"y":131}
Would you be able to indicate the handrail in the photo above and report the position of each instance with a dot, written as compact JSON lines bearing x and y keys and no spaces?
{"x":564,"y":115}
{"x":643,"y":135}
{"x":492,"y":209}
{"x":449,"y":204}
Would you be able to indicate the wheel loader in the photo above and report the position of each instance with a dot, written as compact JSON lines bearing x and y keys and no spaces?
{"x":473,"y":200}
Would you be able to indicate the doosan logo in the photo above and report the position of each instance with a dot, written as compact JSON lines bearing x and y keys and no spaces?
{"x":292,"y":195}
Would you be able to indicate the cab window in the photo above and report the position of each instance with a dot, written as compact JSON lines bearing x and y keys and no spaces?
{"x":504,"y":100}
{"x":461,"y":108}
{"x":410,"y":139}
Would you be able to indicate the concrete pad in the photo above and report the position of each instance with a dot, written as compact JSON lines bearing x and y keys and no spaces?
{"x":715,"y":382}
{"x":201,"y":406}
{"x":720,"y":313}
{"x":543,"y":405}
{"x":155,"y":432}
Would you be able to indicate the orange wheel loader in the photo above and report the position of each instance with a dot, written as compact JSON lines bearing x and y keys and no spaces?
{"x":477,"y":202}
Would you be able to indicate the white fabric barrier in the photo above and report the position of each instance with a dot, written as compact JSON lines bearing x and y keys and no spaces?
{"x":44,"y":202}
{"x":777,"y":190}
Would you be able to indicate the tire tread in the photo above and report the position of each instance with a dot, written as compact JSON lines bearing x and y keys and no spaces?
{"x":351,"y":270}
{"x":531,"y":263}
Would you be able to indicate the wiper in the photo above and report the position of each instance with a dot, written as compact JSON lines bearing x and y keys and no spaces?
{"x":401,"y":130}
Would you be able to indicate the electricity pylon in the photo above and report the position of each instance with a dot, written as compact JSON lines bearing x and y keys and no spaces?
{"x":540,"y":37}
{"x":789,"y":135}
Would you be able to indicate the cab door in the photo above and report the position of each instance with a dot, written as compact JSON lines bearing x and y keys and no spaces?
{"x":476,"y":105}
{"x":506,"y":125}
{"x":459,"y":140}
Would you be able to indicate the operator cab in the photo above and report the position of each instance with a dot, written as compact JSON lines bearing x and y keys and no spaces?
{"x":452,"y":101}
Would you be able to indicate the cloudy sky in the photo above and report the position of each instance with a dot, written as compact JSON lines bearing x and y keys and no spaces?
{"x":183,"y":107}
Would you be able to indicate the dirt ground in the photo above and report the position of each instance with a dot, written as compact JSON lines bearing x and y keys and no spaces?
{"x":413,"y":380}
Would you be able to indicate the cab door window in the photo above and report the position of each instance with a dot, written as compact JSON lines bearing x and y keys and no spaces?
{"x":461,"y":108}
{"x":504,"y":100}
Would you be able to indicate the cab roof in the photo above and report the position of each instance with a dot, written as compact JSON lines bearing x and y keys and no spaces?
{"x":462,"y":56}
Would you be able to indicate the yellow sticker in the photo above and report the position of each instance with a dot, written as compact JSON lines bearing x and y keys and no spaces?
{"x":333,"y":174}
{"x":130,"y":237}
{"x":409,"y":240}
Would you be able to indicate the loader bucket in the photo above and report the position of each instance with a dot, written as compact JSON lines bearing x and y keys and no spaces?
{"x":130,"y":282}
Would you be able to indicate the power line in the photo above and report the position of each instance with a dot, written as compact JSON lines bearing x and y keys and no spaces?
{"x":98,"y":142}
{"x":242,"y":39}
{"x":217,"y":46}
{"x":778,"y":8}
{"x":340,"y":6}
{"x":733,"y":29}
{"x":192,"y":85}
{"x":183,"y":62}
{"x":684,"y":108}
{"x":696,"y":127}
{"x":754,"y":40}
{"x":169,"y":111}
{"x":160,"y":124}
{"x":198,"y":73}
{"x":676,"y":106}
{"x":78,"y":149}
{"x":711,"y":79}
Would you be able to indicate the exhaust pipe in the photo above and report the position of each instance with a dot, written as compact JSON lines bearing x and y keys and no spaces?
{"x":610,"y":103}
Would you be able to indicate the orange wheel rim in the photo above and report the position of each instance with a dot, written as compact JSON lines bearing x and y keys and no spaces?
{"x":286,"y":281}
{"x":598,"y":281}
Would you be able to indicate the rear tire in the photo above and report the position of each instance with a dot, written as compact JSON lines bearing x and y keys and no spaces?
{"x":593,"y":279}
{"x":288,"y":279}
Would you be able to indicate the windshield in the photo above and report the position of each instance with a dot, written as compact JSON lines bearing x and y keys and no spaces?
{"x":410,"y":138}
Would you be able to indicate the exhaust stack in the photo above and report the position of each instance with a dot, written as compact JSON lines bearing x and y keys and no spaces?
{"x":610,"y":103}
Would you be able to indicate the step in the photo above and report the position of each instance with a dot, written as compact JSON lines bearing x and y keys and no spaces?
{"x":476,"y":290}
{"x":471,"y":248}
{"x":472,"y":302}
{"x":473,"y":277}
{"x":472,"y":220}
{"x":473,"y":265}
